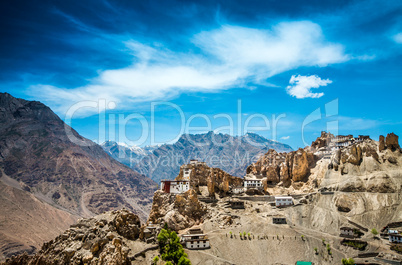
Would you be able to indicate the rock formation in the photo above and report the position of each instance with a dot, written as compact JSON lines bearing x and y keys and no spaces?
{"x":322,"y":141}
{"x":217,"y":180}
{"x":102,"y":239}
{"x":177,"y":211}
{"x":391,"y":141}
{"x":381,"y":145}
{"x":283,"y":167}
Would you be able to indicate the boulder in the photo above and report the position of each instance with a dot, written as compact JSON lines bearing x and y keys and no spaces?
{"x":345,"y":203}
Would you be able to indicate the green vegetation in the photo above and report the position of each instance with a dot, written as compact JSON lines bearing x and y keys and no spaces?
{"x":323,"y":242}
{"x":316,"y":251}
{"x":374,"y":232}
{"x":231,"y":236}
{"x":171,"y":249}
{"x":302,"y":237}
{"x":357,"y":232}
{"x":349,"y":261}
{"x":155,"y":260}
{"x":329,"y":249}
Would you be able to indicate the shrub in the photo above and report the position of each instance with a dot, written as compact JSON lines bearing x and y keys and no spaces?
{"x":374,"y":231}
{"x":329,"y":249}
{"x":349,"y":261}
{"x":316,"y":250}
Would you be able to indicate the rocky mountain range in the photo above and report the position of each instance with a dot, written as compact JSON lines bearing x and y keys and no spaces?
{"x":230,"y":153}
{"x":53,"y":180}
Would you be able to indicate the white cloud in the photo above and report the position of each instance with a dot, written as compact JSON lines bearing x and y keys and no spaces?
{"x":285,"y":137}
{"x":300,"y":86}
{"x":230,"y":56}
{"x":398,"y":38}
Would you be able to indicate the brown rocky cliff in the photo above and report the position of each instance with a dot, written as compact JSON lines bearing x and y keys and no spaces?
{"x":283,"y":167}
{"x":322,"y":141}
{"x":217,"y":180}
{"x":381,"y":145}
{"x":177,"y":211}
{"x":391,"y":142}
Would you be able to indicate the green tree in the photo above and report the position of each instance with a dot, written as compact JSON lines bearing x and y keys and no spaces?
{"x":171,"y":249}
{"x":184,"y":261}
{"x":374,"y":231}
{"x":155,"y":260}
{"x":316,"y":250}
{"x":302,"y":237}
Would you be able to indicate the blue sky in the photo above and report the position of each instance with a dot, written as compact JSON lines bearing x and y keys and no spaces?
{"x":292,"y":68}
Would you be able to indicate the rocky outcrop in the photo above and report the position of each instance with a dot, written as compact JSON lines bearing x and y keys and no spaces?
{"x":102,"y":239}
{"x":381,"y":145}
{"x":283,"y":167}
{"x":352,"y":155}
{"x":177,"y":211}
{"x":391,"y":142}
{"x":345,"y":202}
{"x":217,"y":180}
{"x":322,"y":141}
{"x":306,"y":169}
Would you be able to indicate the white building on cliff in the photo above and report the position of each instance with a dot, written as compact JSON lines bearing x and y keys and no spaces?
{"x":175,"y":186}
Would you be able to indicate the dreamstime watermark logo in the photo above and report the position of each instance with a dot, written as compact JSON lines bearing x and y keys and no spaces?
{"x":112,"y":123}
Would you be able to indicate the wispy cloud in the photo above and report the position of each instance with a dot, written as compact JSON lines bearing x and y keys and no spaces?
{"x":397,"y":38}
{"x":228,"y":57}
{"x":300,"y":86}
{"x":285,"y":137}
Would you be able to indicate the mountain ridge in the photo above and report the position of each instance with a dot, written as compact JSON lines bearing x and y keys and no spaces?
{"x":231,"y":153}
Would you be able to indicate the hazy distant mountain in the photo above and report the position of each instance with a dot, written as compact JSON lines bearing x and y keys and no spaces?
{"x":39,"y":163}
{"x":230,"y":153}
{"x":126,"y":154}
